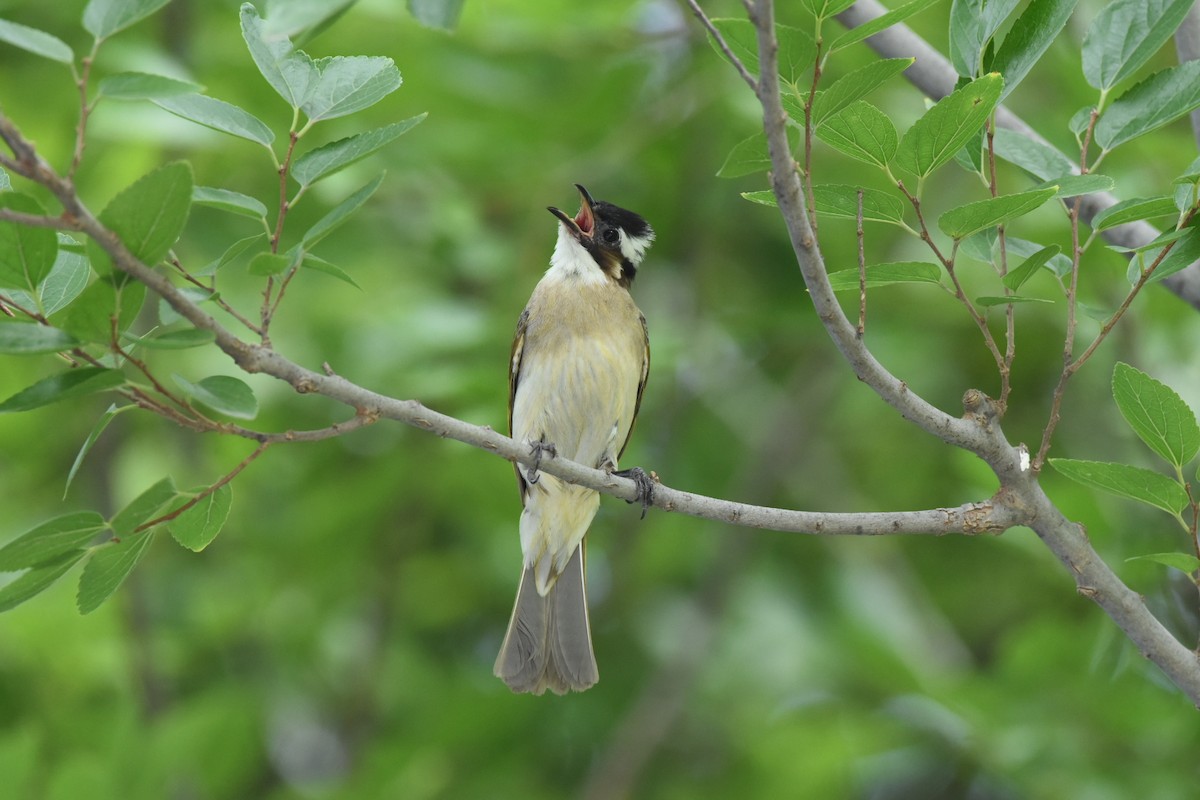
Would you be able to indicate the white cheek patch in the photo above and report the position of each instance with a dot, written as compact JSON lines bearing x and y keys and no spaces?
{"x":634,"y":247}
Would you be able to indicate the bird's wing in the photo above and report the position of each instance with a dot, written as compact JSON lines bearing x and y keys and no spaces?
{"x":641,"y":382}
{"x":514,"y":375}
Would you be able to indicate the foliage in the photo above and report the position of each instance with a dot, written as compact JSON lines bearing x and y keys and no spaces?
{"x":335,"y":639}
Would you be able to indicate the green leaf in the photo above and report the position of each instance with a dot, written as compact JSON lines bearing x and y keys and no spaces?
{"x":1008,"y":300}
{"x":97,"y":429}
{"x":965,"y":220}
{"x":271,"y":263}
{"x":1155,"y":244}
{"x":175,"y":340}
{"x":90,"y":317}
{"x":1016,"y":278}
{"x":5,"y":181}
{"x":856,"y":85}
{"x":797,"y":50}
{"x":143,"y":507}
{"x":231,"y":254}
{"x":746,"y":158}
{"x":301,"y":20}
{"x":37,"y":580}
{"x":103,"y":18}
{"x":1123,"y":480}
{"x":880,"y":23}
{"x":1030,"y":36}
{"x":218,"y":115}
{"x":1037,"y":158}
{"x":30,"y":338}
{"x":966,"y":36}
{"x":836,"y":200}
{"x":1125,"y":34}
{"x":948,"y":125}
{"x":1183,"y":562}
{"x":196,"y":527}
{"x":1185,"y":196}
{"x":321,"y":265}
{"x":972,"y":25}
{"x":861,"y":131}
{"x":329,"y":158}
{"x":226,"y":200}
{"x":886,"y":275}
{"x":1157,"y":414}
{"x":107,"y":569}
{"x":348,"y":84}
{"x":1163,"y":97}
{"x":27,"y":253}
{"x":980,"y":246}
{"x":797,"y":54}
{"x":222,"y":393}
{"x":1132,"y":210}
{"x":331,"y":221}
{"x":63,"y":386}
{"x":35,"y":41}
{"x":50,"y":540}
{"x":1075,"y":185}
{"x":824,"y":9}
{"x":143,"y":86}
{"x":198,"y":295}
{"x":440,"y":14}
{"x":147,"y":216}
{"x":290,"y":72}
{"x":1183,"y":254}
{"x":67,"y":279}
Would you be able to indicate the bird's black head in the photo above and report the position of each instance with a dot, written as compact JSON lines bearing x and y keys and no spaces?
{"x":615,"y":237}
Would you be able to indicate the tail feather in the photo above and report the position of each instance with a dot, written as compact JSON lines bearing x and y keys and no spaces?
{"x":549,"y":640}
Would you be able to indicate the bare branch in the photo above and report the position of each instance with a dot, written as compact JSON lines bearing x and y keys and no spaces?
{"x":986,"y":517}
{"x":36,"y":220}
{"x":1187,"y":46}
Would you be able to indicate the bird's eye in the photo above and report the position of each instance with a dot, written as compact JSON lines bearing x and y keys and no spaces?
{"x":611,"y":236}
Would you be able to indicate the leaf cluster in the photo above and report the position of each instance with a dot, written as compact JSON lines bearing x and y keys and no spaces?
{"x":72,"y":299}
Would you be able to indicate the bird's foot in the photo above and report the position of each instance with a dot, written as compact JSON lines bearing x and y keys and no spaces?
{"x":645,"y":485}
{"x":540,"y":449}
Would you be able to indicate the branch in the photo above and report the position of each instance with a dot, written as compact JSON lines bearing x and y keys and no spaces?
{"x":991,"y":516}
{"x":935,"y":77}
{"x":1187,"y":46}
{"x":985,"y":441}
{"x":1018,"y":484}
{"x":721,"y":43}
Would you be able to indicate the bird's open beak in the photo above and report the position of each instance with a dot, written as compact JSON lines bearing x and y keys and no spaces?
{"x":584,"y":223}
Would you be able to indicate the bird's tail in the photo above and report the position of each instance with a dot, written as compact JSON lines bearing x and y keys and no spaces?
{"x":549,"y":640}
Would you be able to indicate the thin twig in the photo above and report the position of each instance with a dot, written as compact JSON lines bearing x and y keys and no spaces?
{"x":37,"y":220}
{"x":862,"y":268}
{"x":1010,"y":319}
{"x":216,"y":298}
{"x":1068,"y":350}
{"x":85,"y":110}
{"x":233,"y":473}
{"x":948,"y":263}
{"x":721,"y":43}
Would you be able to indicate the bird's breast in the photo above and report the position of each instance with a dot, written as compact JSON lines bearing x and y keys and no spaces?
{"x":580,"y":370}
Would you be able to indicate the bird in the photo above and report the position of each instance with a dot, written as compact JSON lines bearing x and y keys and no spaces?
{"x":580,"y":358}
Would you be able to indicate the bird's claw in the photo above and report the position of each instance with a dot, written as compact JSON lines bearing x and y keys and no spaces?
{"x":645,"y":486}
{"x":539,"y":449}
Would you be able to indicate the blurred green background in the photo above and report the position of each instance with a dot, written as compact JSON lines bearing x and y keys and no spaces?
{"x":337,"y":639}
